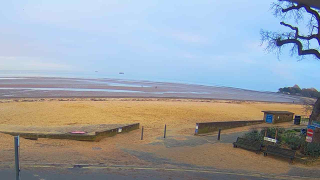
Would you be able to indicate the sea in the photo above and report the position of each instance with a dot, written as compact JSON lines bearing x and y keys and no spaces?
{"x":56,"y":84}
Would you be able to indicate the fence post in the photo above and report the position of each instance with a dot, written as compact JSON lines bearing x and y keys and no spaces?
{"x":275,"y":137}
{"x":165,"y":131}
{"x":265,"y":132}
{"x":219,"y":134}
{"x":142,"y":133}
{"x":16,"y":150}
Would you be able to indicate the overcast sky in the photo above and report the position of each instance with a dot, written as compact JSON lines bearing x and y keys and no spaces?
{"x":207,"y":41}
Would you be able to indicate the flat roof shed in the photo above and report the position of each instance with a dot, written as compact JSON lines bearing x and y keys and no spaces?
{"x":277,"y":116}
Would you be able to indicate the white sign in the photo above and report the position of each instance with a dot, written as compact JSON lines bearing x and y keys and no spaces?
{"x":270,"y":139}
{"x":120,"y":130}
{"x":197,"y":127}
{"x":309,"y":139}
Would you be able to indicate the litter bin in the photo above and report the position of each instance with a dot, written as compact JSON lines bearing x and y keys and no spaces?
{"x":297,"y":120}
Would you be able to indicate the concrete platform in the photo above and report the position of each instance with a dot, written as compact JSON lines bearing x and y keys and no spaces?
{"x":73,"y":132}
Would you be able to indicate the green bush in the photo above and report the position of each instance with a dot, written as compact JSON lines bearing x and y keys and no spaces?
{"x":312,"y":149}
{"x":288,"y":138}
{"x":254,"y":135}
{"x":291,"y":139}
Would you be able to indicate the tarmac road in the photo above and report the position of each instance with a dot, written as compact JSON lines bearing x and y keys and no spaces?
{"x":127,"y":174}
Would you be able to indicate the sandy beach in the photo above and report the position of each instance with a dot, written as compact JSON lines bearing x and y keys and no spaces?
{"x":180,"y":116}
{"x":151,"y":113}
{"x":53,"y":102}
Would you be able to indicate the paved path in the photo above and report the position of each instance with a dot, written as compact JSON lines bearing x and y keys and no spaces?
{"x":162,"y":168}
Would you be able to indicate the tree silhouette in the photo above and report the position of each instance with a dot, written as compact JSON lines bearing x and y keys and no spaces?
{"x":303,"y":33}
{"x":301,"y":43}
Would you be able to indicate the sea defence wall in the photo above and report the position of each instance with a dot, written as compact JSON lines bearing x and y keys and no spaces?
{"x":91,"y":136}
{"x":202,"y":128}
{"x":112,"y":132}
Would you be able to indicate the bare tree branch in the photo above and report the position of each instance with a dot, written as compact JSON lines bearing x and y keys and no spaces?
{"x":313,"y":36}
{"x":301,"y":43}
{"x":301,"y":52}
{"x":307,"y":8}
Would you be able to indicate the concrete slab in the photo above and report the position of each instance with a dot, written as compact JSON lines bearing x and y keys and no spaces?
{"x":74,"y":132}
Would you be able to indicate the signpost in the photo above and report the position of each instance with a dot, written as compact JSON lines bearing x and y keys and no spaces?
{"x":16,"y":150}
{"x":316,"y":124}
{"x":308,"y":139}
{"x":270,"y":139}
{"x":310,"y":132}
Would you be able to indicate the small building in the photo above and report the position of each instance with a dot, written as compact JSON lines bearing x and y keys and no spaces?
{"x":277,"y":116}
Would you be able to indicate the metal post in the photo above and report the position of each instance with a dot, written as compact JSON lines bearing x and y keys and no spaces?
{"x":165,"y":131}
{"x":309,"y":123}
{"x":265,"y":132}
{"x":219,"y":134}
{"x":16,"y":150}
{"x":142,"y":133}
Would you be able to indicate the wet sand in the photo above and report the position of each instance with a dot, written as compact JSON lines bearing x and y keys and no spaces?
{"x":45,"y":87}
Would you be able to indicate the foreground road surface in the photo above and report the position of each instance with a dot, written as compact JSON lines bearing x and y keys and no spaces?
{"x":130,"y":174}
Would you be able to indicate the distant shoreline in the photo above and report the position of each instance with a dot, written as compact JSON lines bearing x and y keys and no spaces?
{"x":40,"y":99}
{"x":56,"y":87}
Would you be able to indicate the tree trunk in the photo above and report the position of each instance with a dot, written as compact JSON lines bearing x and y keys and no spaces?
{"x":315,"y":116}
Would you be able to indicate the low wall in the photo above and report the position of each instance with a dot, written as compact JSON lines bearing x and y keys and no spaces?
{"x":97,"y":136}
{"x":102,"y":134}
{"x":202,"y":128}
{"x":130,"y":127}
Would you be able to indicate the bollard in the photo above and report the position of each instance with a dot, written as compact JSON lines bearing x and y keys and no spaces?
{"x":165,"y":131}
{"x":142,"y":133}
{"x":219,"y":134}
{"x":17,"y":163}
{"x":197,"y":129}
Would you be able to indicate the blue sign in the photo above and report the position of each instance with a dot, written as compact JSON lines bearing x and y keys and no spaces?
{"x":316,"y":124}
{"x":311,"y":127}
{"x":269,"y":118}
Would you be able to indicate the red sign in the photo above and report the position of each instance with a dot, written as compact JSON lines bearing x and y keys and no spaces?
{"x":310,"y":132}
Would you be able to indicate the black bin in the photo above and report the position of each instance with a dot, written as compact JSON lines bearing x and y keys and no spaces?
{"x":297,"y":120}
